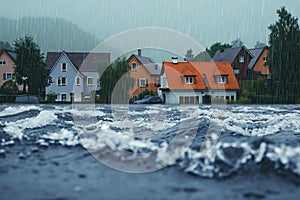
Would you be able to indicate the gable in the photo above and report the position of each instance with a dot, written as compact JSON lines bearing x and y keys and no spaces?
{"x":71,"y":69}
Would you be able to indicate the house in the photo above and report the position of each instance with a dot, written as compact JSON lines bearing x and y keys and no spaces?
{"x":257,"y":66}
{"x":239,"y":58}
{"x":197,"y":82}
{"x":74,"y":74}
{"x":145,"y":72}
{"x":7,"y":66}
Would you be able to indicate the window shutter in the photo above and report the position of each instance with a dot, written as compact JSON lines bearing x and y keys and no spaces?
{"x":146,"y":82}
{"x":138,"y":82}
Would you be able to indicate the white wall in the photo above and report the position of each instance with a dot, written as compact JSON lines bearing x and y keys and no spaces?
{"x":172,"y":97}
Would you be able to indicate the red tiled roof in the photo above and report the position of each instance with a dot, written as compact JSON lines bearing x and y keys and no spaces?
{"x":176,"y":72}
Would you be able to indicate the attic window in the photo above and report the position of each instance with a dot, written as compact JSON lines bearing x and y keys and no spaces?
{"x":265,"y":59}
{"x":133,"y":66}
{"x":222,"y":79}
{"x":90,"y":81}
{"x":242,"y":59}
{"x":189,"y":80}
{"x":2,"y":62}
{"x":63,"y":67}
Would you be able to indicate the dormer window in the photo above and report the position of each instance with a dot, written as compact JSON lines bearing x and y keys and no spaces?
{"x":63,"y":67}
{"x":189,"y":80}
{"x":242,"y":59}
{"x":133,"y":66}
{"x":222,"y":79}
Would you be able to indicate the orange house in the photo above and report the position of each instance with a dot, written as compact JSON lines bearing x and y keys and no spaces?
{"x":7,"y":66}
{"x":146,"y":74}
{"x":258,"y":65}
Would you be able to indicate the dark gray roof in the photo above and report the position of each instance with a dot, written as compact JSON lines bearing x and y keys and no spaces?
{"x":12,"y":54}
{"x":149,"y":64}
{"x":227,"y":55}
{"x":83,"y":61}
{"x":256,"y":53}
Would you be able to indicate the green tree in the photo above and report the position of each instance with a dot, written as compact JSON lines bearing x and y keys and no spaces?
{"x":237,"y":43}
{"x":284,"y":57}
{"x":259,"y":44}
{"x":9,"y":88}
{"x":215,"y":47}
{"x":189,"y":56}
{"x":6,"y":45}
{"x":31,"y":69}
{"x":115,"y":82}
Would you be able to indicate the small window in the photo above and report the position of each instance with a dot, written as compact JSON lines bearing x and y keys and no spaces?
{"x":189,"y":80}
{"x":78,"y":81}
{"x":7,"y":76}
{"x":143,"y":82}
{"x":222,"y":79}
{"x":242,"y":59}
{"x":63,"y":97}
{"x":63,"y":67}
{"x":90,"y":81}
{"x":265,"y":59}
{"x":133,"y":66}
{"x":2,"y":62}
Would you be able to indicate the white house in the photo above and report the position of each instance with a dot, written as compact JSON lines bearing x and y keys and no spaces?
{"x":74,"y":75}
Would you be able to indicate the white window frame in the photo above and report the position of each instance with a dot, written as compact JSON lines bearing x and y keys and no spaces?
{"x":222,"y":79}
{"x":78,"y":81}
{"x":87,"y":81}
{"x":61,"y":95}
{"x":242,"y":58}
{"x":189,"y":80}
{"x":2,"y":62}
{"x":133,"y":68}
{"x":5,"y":76}
{"x":64,"y":70}
{"x":60,"y":81}
{"x":142,"y":82}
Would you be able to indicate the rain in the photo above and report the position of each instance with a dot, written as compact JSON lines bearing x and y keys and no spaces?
{"x":140,"y":99}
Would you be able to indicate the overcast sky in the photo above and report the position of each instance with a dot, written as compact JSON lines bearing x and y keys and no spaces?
{"x":206,"y":21}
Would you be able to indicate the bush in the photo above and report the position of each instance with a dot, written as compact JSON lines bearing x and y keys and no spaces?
{"x":243,"y":100}
{"x":51,"y":97}
{"x":147,"y":93}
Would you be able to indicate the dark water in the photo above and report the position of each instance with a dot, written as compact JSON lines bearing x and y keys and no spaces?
{"x":218,"y":142}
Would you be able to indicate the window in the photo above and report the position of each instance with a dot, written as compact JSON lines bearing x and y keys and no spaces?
{"x":133,"y":66}
{"x":265,"y":59}
{"x":222,"y":79}
{"x":63,"y":97}
{"x":2,"y":62}
{"x":164,"y":82}
{"x":189,"y":80}
{"x":63,"y":67}
{"x":77,"y":80}
{"x":142,"y":82}
{"x":189,"y":100}
{"x":242,"y":59}
{"x":90,"y":81}
{"x":8,"y":76}
{"x":62,"y":81}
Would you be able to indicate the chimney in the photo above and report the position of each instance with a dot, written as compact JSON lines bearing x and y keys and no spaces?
{"x":175,"y":60}
{"x":139,"y":52}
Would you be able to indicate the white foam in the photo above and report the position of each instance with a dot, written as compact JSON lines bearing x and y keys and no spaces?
{"x":13,"y":110}
{"x":16,"y":128}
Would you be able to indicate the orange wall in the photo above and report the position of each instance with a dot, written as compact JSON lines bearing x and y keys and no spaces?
{"x":259,"y":66}
{"x":141,"y":72}
{"x":8,"y":68}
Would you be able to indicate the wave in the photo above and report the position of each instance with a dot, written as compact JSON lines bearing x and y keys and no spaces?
{"x":205,"y":141}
